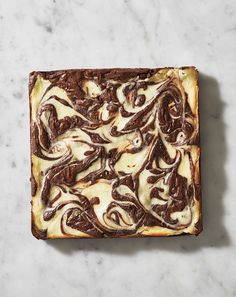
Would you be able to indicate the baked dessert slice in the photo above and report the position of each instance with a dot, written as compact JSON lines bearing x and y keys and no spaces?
{"x":115,"y":153}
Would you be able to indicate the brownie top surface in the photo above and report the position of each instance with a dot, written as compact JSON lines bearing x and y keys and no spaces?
{"x":115,"y":152}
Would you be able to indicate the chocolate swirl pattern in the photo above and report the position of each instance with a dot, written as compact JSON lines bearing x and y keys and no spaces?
{"x":115,"y":153}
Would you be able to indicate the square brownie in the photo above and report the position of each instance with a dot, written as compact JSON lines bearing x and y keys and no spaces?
{"x":115,"y":152}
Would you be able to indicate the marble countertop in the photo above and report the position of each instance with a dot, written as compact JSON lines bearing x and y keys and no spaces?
{"x":41,"y":35}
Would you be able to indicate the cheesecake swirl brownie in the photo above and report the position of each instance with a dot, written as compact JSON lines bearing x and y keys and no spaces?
{"x":115,"y":153}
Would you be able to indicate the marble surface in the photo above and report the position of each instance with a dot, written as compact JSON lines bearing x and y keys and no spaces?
{"x":41,"y":35}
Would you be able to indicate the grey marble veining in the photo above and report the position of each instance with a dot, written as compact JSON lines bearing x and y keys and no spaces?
{"x":41,"y":35}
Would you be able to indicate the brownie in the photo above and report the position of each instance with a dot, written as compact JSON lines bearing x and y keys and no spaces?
{"x":115,"y":152}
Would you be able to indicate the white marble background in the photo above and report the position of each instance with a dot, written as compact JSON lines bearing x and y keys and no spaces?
{"x":41,"y":35}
